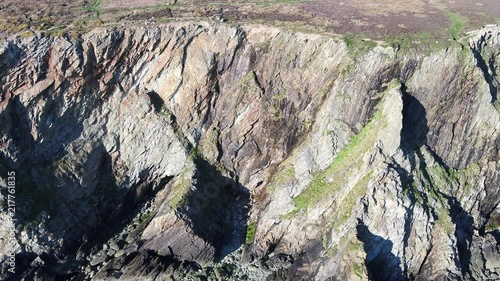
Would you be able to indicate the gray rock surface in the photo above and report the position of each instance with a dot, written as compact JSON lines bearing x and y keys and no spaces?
{"x":197,"y":151}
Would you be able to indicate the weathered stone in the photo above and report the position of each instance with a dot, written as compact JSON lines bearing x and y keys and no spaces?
{"x":277,"y":152}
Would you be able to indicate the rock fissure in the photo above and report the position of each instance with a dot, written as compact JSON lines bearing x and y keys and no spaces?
{"x":199,"y":150}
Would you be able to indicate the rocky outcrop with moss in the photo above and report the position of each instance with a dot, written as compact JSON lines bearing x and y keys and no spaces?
{"x":196,"y":151}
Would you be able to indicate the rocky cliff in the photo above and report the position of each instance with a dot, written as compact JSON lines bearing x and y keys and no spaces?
{"x":194,"y":151}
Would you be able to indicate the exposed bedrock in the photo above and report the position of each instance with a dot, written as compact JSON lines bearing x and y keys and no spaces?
{"x":196,"y":151}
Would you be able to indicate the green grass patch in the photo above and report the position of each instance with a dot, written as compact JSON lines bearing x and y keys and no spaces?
{"x":443,"y":178}
{"x":423,"y":42}
{"x":496,"y":104}
{"x":425,"y":35}
{"x":144,"y":221}
{"x":96,"y":7}
{"x":147,"y":217}
{"x":330,"y":251}
{"x":456,"y":24}
{"x":444,"y":221}
{"x":244,"y":82}
{"x":355,"y":245}
{"x":358,"y":269}
{"x":347,"y":160}
{"x":439,"y":180}
{"x":57,"y":31}
{"x":344,"y":209}
{"x":269,"y":3}
{"x":491,"y":226}
{"x":279,"y":96}
{"x":285,"y":175}
{"x":357,"y":45}
{"x":250,"y":235}
{"x":180,"y":190}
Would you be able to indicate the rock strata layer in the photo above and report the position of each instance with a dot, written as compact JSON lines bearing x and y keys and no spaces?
{"x":195,"y":151}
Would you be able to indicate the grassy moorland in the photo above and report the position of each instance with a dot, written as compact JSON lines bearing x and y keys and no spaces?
{"x":374,"y":19}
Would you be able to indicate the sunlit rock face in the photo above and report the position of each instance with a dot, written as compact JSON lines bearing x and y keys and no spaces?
{"x":196,"y":151}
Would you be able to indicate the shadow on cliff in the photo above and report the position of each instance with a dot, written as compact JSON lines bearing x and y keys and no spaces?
{"x":46,"y":181}
{"x":380,"y":262}
{"x":56,"y":126}
{"x":14,"y":54}
{"x":217,"y":209}
{"x":414,"y":136}
{"x":487,"y":68}
{"x":94,"y":219}
{"x":156,"y":101}
{"x":16,"y":124}
{"x":464,"y":232}
{"x":415,"y":127}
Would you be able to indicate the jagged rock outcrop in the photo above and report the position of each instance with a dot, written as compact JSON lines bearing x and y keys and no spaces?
{"x":195,"y":151}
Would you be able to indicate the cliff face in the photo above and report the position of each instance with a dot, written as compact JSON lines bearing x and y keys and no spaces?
{"x":206,"y":151}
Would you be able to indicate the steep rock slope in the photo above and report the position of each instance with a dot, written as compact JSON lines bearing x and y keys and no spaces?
{"x":197,"y":151}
